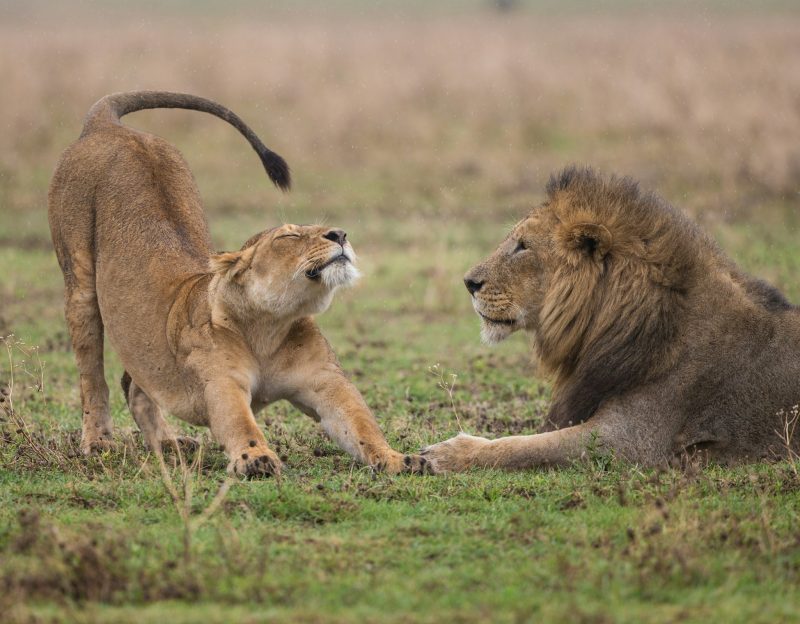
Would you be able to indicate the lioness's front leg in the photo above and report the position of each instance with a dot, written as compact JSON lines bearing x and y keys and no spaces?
{"x":233,"y":425}
{"x":316,"y":385}
{"x":340,"y":408}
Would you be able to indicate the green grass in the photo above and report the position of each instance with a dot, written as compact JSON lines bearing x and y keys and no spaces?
{"x":425,"y":139}
{"x":101,"y":540}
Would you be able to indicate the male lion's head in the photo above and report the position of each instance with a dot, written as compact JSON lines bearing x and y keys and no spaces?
{"x":288,"y":271}
{"x":598,"y":274}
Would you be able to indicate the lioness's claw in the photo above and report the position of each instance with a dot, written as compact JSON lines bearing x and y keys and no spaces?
{"x":454,"y":455}
{"x":398,"y":463}
{"x":417,"y":464}
{"x":256,"y":465}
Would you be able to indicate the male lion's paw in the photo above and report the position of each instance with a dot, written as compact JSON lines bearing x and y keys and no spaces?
{"x":454,"y":455}
{"x":256,"y":463}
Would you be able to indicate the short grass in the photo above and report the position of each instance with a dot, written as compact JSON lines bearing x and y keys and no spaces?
{"x":426,"y":172}
{"x":101,"y":540}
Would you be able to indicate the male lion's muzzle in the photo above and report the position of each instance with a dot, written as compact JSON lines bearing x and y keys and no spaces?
{"x":474,"y":280}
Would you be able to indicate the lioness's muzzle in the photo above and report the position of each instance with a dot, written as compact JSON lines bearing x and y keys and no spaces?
{"x":317,"y":271}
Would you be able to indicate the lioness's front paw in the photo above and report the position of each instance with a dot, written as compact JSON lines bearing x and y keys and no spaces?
{"x":454,"y":455}
{"x":397,"y":463}
{"x":256,"y":463}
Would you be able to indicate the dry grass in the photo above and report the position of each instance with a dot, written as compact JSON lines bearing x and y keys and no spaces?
{"x":423,"y":132}
{"x":472,"y":101}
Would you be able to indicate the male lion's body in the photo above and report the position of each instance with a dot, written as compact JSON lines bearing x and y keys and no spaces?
{"x":208,"y":338}
{"x":658,"y":344}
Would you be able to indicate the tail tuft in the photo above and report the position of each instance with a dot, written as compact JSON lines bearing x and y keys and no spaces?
{"x":108,"y":110}
{"x":277,"y":170}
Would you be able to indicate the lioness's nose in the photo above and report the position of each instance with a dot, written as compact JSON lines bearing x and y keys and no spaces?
{"x":472,"y":285}
{"x":337,"y":236}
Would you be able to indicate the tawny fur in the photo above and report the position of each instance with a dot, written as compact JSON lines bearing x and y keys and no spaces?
{"x":209,"y":338}
{"x":658,"y":344}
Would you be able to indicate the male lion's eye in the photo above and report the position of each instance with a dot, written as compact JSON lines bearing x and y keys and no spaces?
{"x":287,"y":236}
{"x":521,"y":246}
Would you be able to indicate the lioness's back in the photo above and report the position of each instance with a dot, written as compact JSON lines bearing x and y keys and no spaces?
{"x":129,"y":213}
{"x":140,"y":188}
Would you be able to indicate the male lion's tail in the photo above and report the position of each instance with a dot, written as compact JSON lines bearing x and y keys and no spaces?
{"x":109,"y":109}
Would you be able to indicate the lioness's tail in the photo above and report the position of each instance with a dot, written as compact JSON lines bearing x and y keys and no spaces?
{"x":109,"y":109}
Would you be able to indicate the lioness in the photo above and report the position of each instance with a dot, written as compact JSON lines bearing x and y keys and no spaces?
{"x":659,"y":344}
{"x":208,"y":338}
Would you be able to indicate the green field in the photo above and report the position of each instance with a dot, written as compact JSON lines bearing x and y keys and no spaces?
{"x":425,"y":135}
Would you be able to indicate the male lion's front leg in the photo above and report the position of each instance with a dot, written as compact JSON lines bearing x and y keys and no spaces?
{"x":233,"y":425}
{"x":456,"y":454}
{"x":342,"y":412}
{"x":554,"y":448}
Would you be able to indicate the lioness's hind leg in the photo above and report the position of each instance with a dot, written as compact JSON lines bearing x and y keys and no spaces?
{"x":86,"y":330}
{"x":157,"y":432}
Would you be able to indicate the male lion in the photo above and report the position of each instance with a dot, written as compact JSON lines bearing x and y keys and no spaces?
{"x":208,"y":338}
{"x":659,"y":344}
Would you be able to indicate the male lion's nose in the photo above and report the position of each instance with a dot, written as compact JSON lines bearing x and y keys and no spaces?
{"x":472,"y":285}
{"x":337,"y":236}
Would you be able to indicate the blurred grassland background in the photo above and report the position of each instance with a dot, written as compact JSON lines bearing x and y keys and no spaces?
{"x":425,"y":129}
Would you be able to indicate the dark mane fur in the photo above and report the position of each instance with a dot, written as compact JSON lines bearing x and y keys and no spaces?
{"x":614,"y":326}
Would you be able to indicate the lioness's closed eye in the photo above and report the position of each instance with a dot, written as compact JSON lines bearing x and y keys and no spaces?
{"x":210,"y":338}
{"x":658,"y":343}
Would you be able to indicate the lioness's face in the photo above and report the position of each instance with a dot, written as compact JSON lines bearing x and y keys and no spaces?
{"x":508,"y":288}
{"x":292,"y":270}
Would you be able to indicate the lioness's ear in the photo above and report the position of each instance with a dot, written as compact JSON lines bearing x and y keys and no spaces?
{"x":589,"y":239}
{"x":230,"y":263}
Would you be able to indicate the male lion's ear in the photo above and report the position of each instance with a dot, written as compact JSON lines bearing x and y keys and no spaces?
{"x":590,"y":239}
{"x":229,"y":263}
